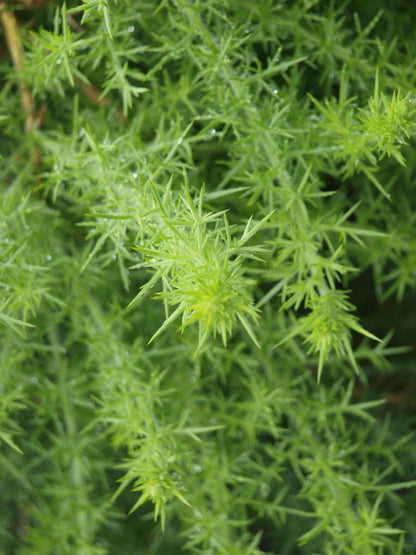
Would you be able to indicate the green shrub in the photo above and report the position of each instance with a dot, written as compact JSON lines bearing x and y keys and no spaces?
{"x":208,"y":260}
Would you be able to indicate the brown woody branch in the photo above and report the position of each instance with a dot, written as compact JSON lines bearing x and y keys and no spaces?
{"x":14,"y":43}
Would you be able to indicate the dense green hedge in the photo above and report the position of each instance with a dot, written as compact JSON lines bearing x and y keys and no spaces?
{"x":207,"y":270}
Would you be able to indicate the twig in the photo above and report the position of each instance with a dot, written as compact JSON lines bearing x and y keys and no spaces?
{"x":11,"y":30}
{"x":94,"y":95}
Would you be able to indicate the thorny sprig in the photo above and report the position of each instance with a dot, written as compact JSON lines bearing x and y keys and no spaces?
{"x":201,"y":268}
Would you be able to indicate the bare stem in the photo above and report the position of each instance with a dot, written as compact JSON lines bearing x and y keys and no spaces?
{"x":14,"y":43}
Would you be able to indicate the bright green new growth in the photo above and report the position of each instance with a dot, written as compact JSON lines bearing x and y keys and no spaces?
{"x":207,"y":241}
{"x":378,"y":131}
{"x":201,"y":268}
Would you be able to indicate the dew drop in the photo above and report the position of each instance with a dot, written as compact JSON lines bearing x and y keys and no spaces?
{"x":135,"y":175}
{"x":212,"y":131}
{"x":314,"y":120}
{"x":114,"y":257}
{"x":48,"y":257}
{"x":275,"y":91}
{"x":197,"y":469}
{"x":264,"y":490}
{"x":246,"y":31}
{"x":34,"y":379}
{"x":131,"y":29}
{"x":332,"y":75}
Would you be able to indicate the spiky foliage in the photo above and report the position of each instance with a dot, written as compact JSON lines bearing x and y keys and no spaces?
{"x":207,"y":229}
